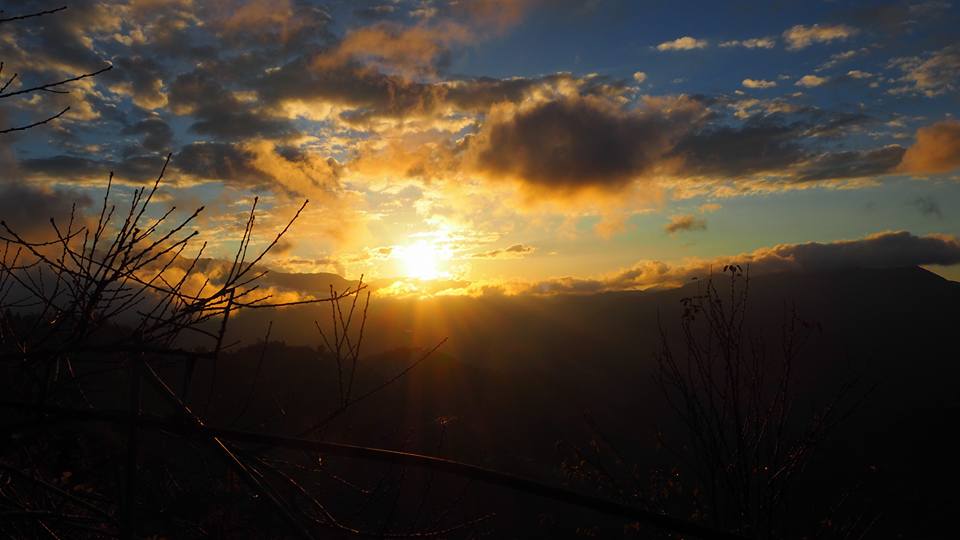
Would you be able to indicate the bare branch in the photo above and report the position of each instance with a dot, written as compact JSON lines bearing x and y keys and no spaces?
{"x":31,"y":15}
{"x":35,"y":124}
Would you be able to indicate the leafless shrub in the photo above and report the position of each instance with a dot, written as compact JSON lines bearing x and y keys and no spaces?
{"x":92,"y":330}
{"x":744,"y":445}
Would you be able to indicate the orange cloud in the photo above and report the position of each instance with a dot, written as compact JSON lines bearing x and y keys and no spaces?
{"x":893,"y":249}
{"x":937,"y":149}
{"x":496,"y":14}
{"x":800,"y":36}
{"x":411,"y":50}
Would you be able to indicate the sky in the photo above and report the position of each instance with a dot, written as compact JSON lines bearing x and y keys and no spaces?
{"x":504,"y":146}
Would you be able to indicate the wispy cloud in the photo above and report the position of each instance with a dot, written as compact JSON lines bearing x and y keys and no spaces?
{"x":752,"y":43}
{"x":685,"y":223}
{"x":811,"y":81}
{"x":927,"y":206}
{"x":758,"y":83}
{"x":515,"y":251}
{"x":933,"y":74}
{"x":685,"y":43}
{"x":801,"y":37}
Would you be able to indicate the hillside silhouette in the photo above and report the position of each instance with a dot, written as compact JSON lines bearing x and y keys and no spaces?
{"x":520,"y":376}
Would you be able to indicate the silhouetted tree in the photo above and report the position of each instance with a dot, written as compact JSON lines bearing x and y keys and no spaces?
{"x":93,"y":324}
{"x":743,"y":445}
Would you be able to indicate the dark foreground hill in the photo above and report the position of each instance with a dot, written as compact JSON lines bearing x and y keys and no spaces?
{"x":538,"y":386}
{"x":520,"y":380}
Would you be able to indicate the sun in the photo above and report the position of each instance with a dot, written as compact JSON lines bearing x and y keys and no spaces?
{"x":424,"y":260}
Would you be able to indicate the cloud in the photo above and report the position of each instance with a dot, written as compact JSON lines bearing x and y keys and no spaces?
{"x":27,"y":210}
{"x":685,"y":223}
{"x":840,"y":165}
{"x":140,"y":78}
{"x":707,"y":208}
{"x":857,"y":74}
{"x":897,"y":17}
{"x":499,"y":15}
{"x":684,"y":43}
{"x":479,"y":94}
{"x":219,"y":112}
{"x":760,"y":144}
{"x":936,"y":150}
{"x":811,"y":81}
{"x":752,"y":43}
{"x":639,"y":76}
{"x":65,"y":168}
{"x":515,"y":251}
{"x":882,"y":250}
{"x":893,"y":249}
{"x":157,"y":135}
{"x":219,"y":161}
{"x":840,"y":57}
{"x":758,"y":83}
{"x":266,"y":23}
{"x":410,"y":50}
{"x":59,"y":43}
{"x":800,"y":36}
{"x":927,"y":206}
{"x":933,"y":74}
{"x":580,"y":142}
{"x":260,"y":163}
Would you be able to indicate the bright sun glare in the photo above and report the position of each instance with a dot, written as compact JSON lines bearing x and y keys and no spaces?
{"x":423,"y":260}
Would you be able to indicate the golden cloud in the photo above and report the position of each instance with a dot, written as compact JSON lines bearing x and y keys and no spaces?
{"x":800,"y":36}
{"x":410,"y":50}
{"x":937,"y":149}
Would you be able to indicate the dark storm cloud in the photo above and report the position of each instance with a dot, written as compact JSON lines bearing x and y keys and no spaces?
{"x":575,"y":143}
{"x":259,"y":164}
{"x":572,"y":143}
{"x":883,"y":250}
{"x":157,"y":135}
{"x":67,"y":168}
{"x":852,"y":164}
{"x":784,"y":145}
{"x":761,"y":144}
{"x":27,"y":210}
{"x":832,"y":124}
{"x":369,"y":92}
{"x":141,"y":78}
{"x":250,"y":63}
{"x":219,"y":161}
{"x":60,"y":40}
{"x":64,"y":166}
{"x":685,"y":223}
{"x":217,"y":112}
